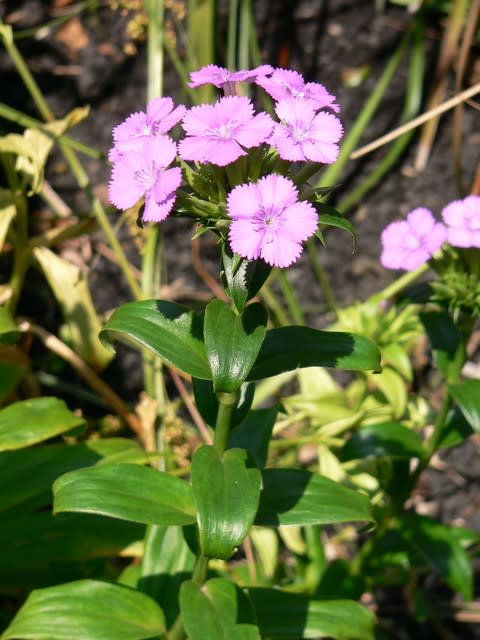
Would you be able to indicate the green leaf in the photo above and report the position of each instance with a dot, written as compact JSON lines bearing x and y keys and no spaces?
{"x":443,"y":552}
{"x":297,"y":497}
{"x":445,"y":338}
{"x":232,"y":342}
{"x":59,"y":540}
{"x":242,"y":278}
{"x":385,"y":440}
{"x":167,"y":562}
{"x":13,"y":366}
{"x":254,"y":434}
{"x":288,"y":348}
{"x":219,"y":610}
{"x":467,"y":395}
{"x":28,"y":474}
{"x":9,"y":332}
{"x":456,"y":429}
{"x":70,"y":287}
{"x":331,"y":218}
{"x":288,"y":616}
{"x":87,"y":609}
{"x":226,"y":491}
{"x":207,"y":402}
{"x":167,"y":329}
{"x":126,"y":491}
{"x":30,"y":421}
{"x":393,"y":387}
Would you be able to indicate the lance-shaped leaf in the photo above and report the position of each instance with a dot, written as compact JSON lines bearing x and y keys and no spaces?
{"x":438,"y":545}
{"x":226,"y":492}
{"x":389,"y":439}
{"x":70,"y":288}
{"x":242,"y":278}
{"x":166,"y":329}
{"x":467,"y":396}
{"x":14,"y":365}
{"x":87,"y":609}
{"x":27,"y":475}
{"x":232,"y":342}
{"x":297,"y":497}
{"x":219,"y":610}
{"x":289,"y":616}
{"x":126,"y":491}
{"x":29,"y":421}
{"x":288,"y":348}
{"x":61,"y":540}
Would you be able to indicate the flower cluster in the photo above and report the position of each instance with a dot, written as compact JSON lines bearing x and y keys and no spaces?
{"x":410,"y":243}
{"x":267,"y":216}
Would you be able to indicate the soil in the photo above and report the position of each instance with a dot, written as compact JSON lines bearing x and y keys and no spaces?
{"x":91,"y":60}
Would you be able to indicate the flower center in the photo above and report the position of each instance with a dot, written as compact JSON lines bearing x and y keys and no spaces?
{"x":146,"y":177}
{"x":411,"y":242}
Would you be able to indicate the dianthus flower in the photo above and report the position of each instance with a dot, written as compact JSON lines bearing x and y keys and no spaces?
{"x":224,"y":79}
{"x":304,"y":134}
{"x":269,"y":221}
{"x":218,"y":133}
{"x":143,"y":172}
{"x":462,"y":218}
{"x":159,"y":118}
{"x":285,"y":83}
{"x":411,"y":242}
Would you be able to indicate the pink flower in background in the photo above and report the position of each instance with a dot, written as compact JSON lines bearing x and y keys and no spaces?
{"x":285,"y":83}
{"x":268,"y":220}
{"x":411,"y":242}
{"x":159,"y":118}
{"x":143,"y":172}
{"x":224,"y":79}
{"x":304,"y":134}
{"x":462,"y":218}
{"x":218,"y":133}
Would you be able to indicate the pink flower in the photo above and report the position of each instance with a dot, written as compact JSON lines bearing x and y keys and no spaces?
{"x":462,"y":218}
{"x":304,"y":134}
{"x":143,"y":172}
{"x":269,"y":221}
{"x":285,"y":83}
{"x":220,"y":132}
{"x":410,"y":243}
{"x":159,"y":118}
{"x":224,"y":79}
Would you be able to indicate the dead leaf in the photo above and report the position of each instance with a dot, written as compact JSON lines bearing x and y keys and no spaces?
{"x":73,"y":36}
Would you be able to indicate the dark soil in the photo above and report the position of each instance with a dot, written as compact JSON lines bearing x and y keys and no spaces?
{"x":325,"y":40}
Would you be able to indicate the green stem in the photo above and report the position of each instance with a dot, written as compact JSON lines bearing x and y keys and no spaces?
{"x":321,"y":277}
{"x":413,"y":101}
{"x":22,"y":119}
{"x":22,"y":255}
{"x":400,"y":283}
{"x":155,"y":11}
{"x":200,"y":571}
{"x":72,"y":160}
{"x":274,"y":305}
{"x":226,"y":405}
{"x":290,"y":297}
{"x":331,"y":175}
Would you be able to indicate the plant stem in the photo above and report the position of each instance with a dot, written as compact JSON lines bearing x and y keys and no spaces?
{"x":26,"y":121}
{"x":330,"y":176}
{"x":321,"y":277}
{"x":400,"y":283}
{"x":72,"y":160}
{"x":226,"y":405}
{"x":290,"y":297}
